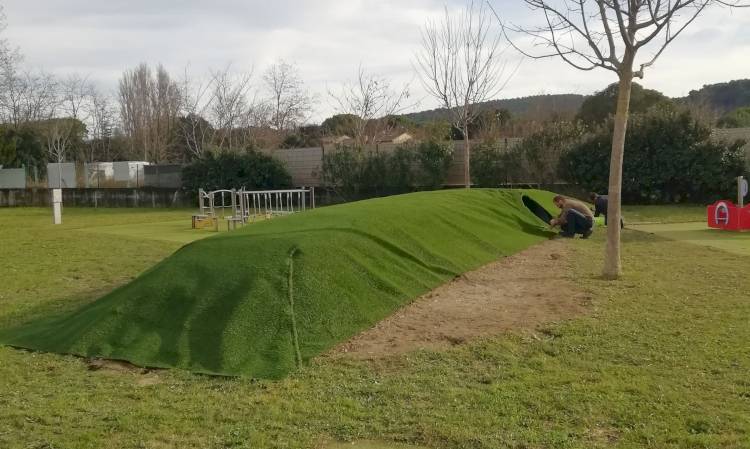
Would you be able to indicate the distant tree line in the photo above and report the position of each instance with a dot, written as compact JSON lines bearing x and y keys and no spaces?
{"x":670,"y":155}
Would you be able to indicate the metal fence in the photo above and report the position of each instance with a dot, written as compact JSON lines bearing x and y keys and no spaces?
{"x":246,"y":206}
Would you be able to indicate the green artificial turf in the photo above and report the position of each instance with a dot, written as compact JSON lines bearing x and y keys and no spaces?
{"x":223,"y":305}
{"x":699,"y":233}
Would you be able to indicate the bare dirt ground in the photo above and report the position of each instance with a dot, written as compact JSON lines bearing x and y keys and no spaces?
{"x":518,"y":292}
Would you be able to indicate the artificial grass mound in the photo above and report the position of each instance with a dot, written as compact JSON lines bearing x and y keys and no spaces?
{"x":266,"y":298}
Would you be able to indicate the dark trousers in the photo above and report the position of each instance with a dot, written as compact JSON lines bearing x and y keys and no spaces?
{"x":576,"y":223}
{"x":622,"y":223}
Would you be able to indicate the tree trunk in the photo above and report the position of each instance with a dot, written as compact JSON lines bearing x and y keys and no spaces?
{"x":612,"y":267}
{"x":467,"y":156}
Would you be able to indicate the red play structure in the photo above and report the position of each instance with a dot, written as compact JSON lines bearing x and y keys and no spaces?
{"x":726,"y":215}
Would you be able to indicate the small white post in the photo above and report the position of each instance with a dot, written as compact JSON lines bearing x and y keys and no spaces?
{"x":741,"y":191}
{"x":57,"y":206}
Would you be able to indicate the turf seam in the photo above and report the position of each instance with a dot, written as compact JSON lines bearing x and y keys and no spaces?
{"x":290,"y":288}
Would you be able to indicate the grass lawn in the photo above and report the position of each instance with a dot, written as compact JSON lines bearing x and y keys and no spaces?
{"x":664,"y":214}
{"x":662,"y":361}
{"x":222,"y":305}
{"x":700,"y":234}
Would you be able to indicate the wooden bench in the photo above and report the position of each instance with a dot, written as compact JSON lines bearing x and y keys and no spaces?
{"x":200,"y":221}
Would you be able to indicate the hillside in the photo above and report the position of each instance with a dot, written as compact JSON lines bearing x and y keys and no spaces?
{"x":536,"y":106}
{"x":721,"y":97}
{"x":261,"y":300}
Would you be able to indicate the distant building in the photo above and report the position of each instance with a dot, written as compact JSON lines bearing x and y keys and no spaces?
{"x":334,"y":140}
{"x":395,"y":137}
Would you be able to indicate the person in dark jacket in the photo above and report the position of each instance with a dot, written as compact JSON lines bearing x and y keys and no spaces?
{"x":601,"y":202}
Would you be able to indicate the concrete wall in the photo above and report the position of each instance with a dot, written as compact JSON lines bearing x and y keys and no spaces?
{"x":12,"y":178}
{"x":143,"y":197}
{"x":304,"y":164}
{"x":162,"y":176}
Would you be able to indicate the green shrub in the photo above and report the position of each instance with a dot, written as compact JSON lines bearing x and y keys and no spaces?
{"x":400,"y":177}
{"x":669,"y":157}
{"x":251,"y":170}
{"x":434,"y":161}
{"x":489,"y":165}
{"x":353,"y":172}
{"x":342,"y":170}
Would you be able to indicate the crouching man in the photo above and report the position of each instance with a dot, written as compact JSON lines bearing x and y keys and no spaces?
{"x":575,"y":218}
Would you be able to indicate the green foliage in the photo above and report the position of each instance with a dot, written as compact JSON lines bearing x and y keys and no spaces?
{"x":305,"y":137}
{"x":223,"y":305}
{"x":531,"y":107}
{"x":354,"y":172}
{"x":340,"y":125}
{"x":669,"y":157}
{"x":23,"y":147}
{"x":542,"y":150}
{"x":597,"y":108}
{"x":490,"y":165}
{"x":400,"y":172}
{"x":739,"y":118}
{"x":489,"y":122}
{"x":435,"y":159}
{"x":251,"y":170}
{"x":534,"y":160}
{"x":722,"y":97}
{"x":8,"y":154}
{"x":342,"y":170}
{"x":69,"y":130}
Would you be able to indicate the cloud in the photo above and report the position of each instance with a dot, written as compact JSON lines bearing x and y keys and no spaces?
{"x":328,"y":39}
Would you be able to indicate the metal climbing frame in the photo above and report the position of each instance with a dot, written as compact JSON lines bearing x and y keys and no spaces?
{"x":251,"y":205}
{"x":269,"y":203}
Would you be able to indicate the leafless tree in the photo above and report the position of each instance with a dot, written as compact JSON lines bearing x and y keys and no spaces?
{"x":290,"y":103}
{"x":460,"y":64}
{"x":76,"y":91}
{"x":38,"y":97}
{"x":230,"y":104}
{"x":11,"y":80}
{"x":370,"y":98}
{"x":197,"y":97}
{"x":610,"y":35}
{"x":149,"y":104}
{"x":101,"y":114}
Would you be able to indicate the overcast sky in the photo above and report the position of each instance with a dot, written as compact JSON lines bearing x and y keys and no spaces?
{"x":327,"y":40}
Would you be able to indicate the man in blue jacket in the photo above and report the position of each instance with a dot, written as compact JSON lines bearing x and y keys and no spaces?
{"x":601,"y":202}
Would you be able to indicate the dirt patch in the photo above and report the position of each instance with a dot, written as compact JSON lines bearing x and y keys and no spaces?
{"x":516,"y":292}
{"x":145,"y":377}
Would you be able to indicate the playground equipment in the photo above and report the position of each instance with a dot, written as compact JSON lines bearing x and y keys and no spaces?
{"x":726,"y":215}
{"x":246,"y":206}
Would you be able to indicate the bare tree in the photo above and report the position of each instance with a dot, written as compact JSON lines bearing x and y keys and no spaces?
{"x":610,"y":34}
{"x":197,"y":97}
{"x":290,"y":103}
{"x":39,"y":96}
{"x":11,"y":80}
{"x":230,"y":104}
{"x":76,"y":91}
{"x":370,"y":97}
{"x":460,"y":65}
{"x":101,"y":115}
{"x":149,"y":104}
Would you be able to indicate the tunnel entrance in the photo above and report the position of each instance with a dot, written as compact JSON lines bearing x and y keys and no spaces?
{"x":536,"y":209}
